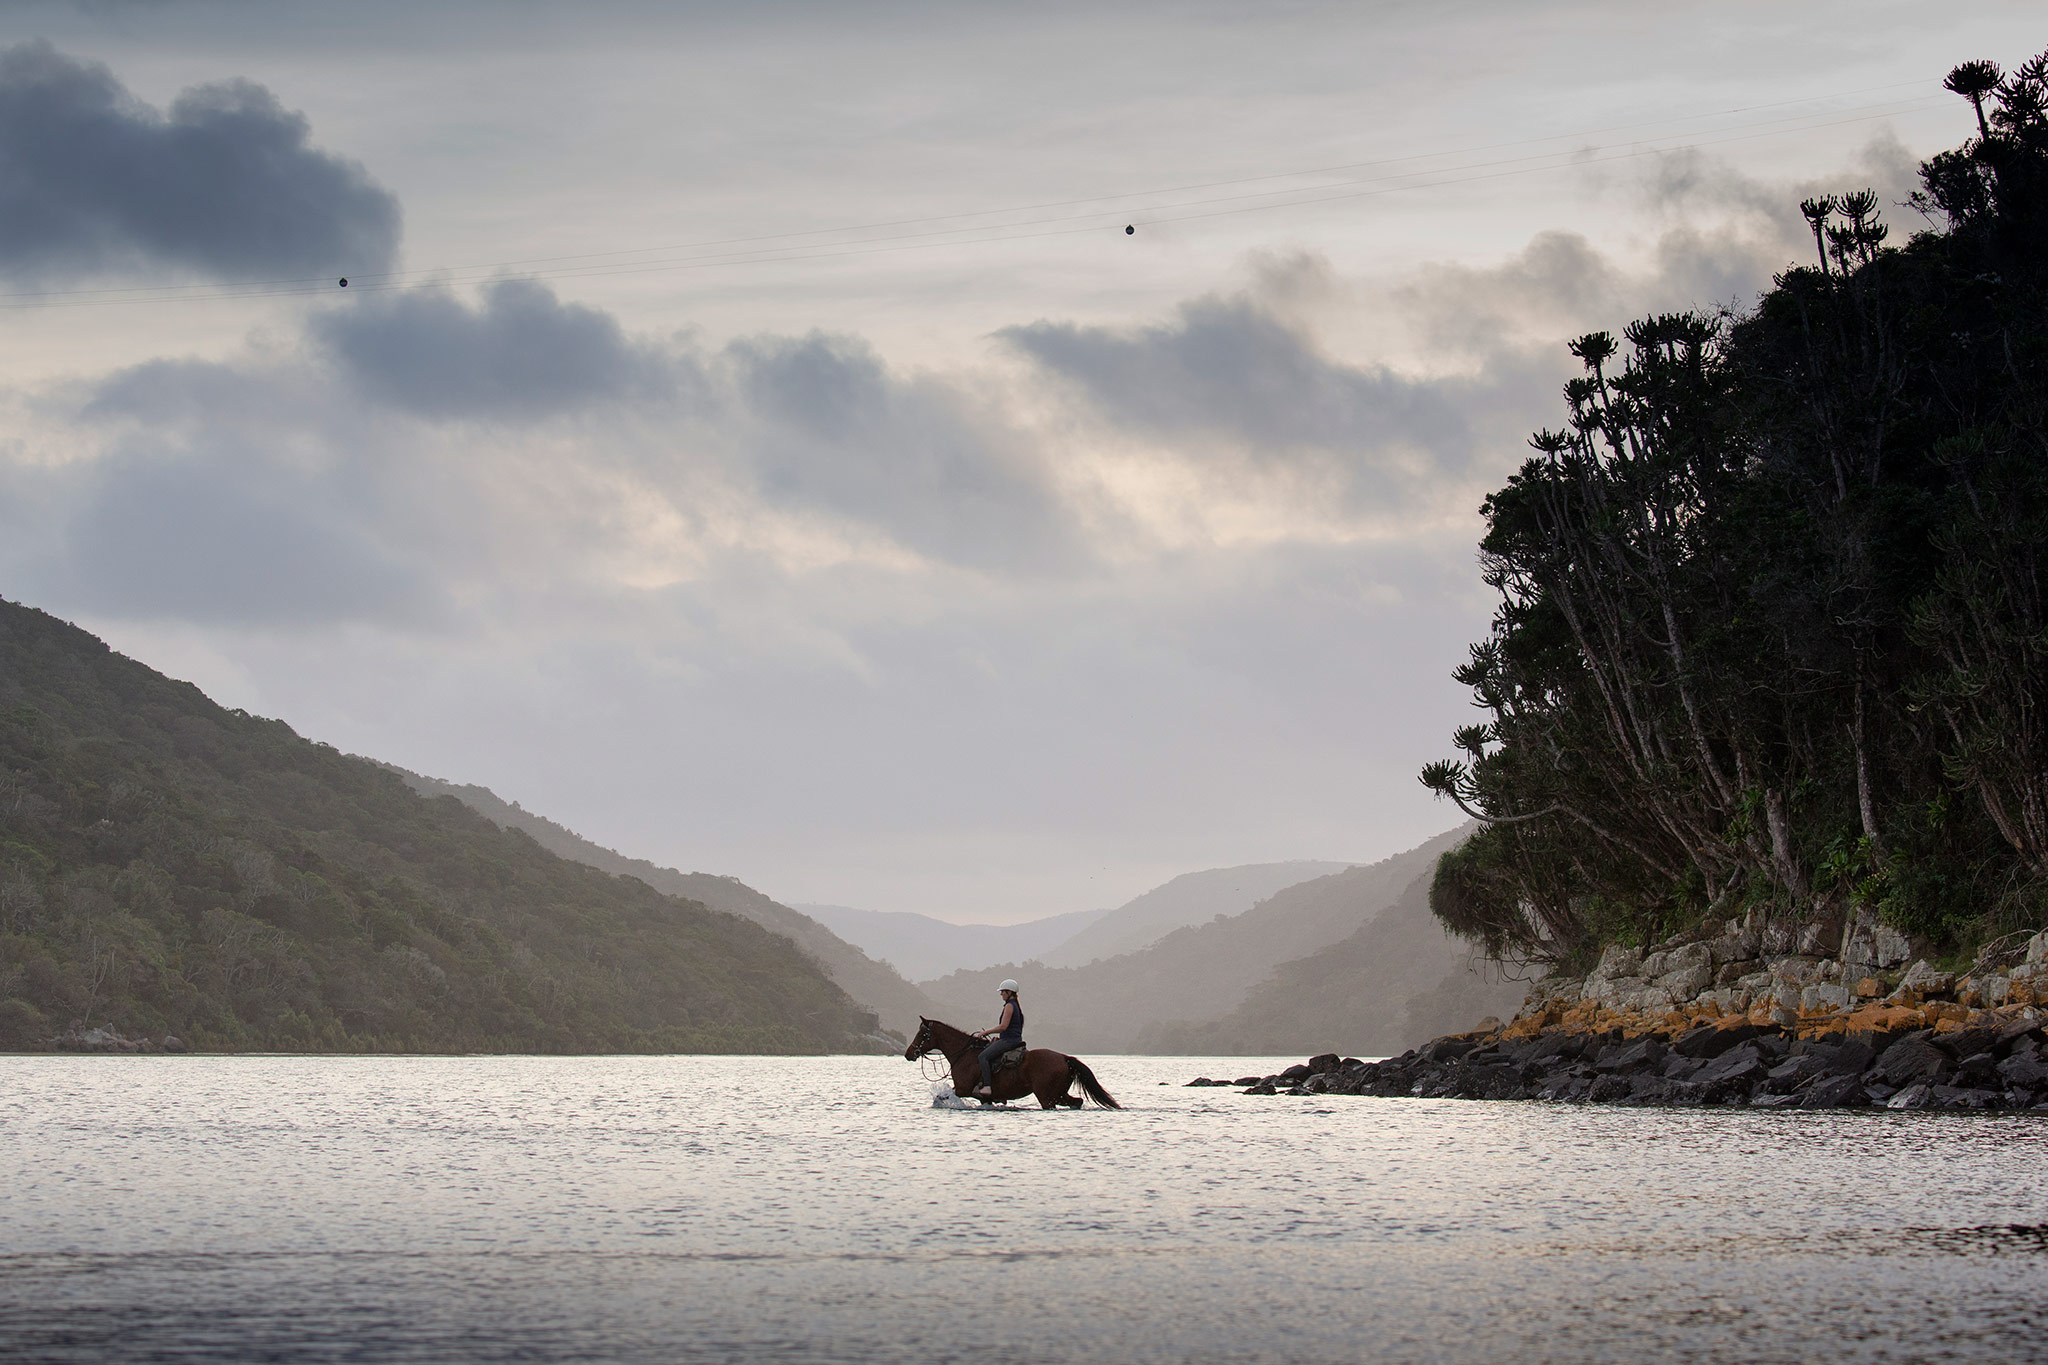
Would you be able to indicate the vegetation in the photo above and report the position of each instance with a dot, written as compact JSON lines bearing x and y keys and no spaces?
{"x":1771,"y":623}
{"x":170,"y":867}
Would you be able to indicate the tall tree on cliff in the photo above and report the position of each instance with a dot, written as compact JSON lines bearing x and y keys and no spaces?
{"x":1771,"y":626}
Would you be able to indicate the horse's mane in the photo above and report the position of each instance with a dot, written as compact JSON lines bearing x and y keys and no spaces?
{"x":948,"y":1038}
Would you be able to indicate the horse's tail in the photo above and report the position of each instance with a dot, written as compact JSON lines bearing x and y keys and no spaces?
{"x":1077,"y":1070}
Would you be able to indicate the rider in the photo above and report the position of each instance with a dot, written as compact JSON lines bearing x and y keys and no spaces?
{"x":1008,"y":1033}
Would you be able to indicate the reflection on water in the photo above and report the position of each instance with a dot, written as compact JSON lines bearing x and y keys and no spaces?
{"x":821,"y":1209}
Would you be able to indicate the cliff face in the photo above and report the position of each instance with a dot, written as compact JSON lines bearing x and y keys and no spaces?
{"x":168,"y":867}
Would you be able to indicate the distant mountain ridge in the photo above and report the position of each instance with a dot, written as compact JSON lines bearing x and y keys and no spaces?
{"x":168,"y":866}
{"x":1197,"y":973}
{"x":920,"y":946}
{"x":876,"y":985}
{"x":1400,"y":980}
{"x":1189,"y":899}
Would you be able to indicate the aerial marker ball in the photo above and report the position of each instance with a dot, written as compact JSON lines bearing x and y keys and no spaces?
{"x":1130,"y":229}
{"x":344,"y":281}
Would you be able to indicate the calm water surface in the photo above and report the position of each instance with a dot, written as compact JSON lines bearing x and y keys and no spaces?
{"x":820,"y":1209}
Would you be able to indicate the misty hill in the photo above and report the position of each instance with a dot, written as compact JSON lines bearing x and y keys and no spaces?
{"x":1196,"y":973}
{"x":168,"y":866}
{"x":1191,"y":898}
{"x":876,"y":985}
{"x":920,"y":946}
{"x":1400,"y":980}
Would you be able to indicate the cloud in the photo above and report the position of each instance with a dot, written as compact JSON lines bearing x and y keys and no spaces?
{"x":225,"y":186}
{"x":827,"y":425}
{"x":520,"y":353}
{"x":1237,"y":382}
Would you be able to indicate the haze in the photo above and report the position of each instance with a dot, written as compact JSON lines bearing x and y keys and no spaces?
{"x":990,"y":563}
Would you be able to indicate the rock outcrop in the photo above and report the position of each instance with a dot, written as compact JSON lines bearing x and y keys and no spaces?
{"x":1744,"y":1015}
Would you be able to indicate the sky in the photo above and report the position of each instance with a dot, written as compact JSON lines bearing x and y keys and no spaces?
{"x":751,"y":437}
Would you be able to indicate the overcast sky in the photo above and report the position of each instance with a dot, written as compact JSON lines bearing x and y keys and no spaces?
{"x":751,"y":438}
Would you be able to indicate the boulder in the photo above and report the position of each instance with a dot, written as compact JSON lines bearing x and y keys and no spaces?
{"x":1738,"y":1068}
{"x":1834,"y":1092}
{"x":1263,"y":1088}
{"x":1323,"y":1063}
{"x":1711,"y":1040}
{"x":172,"y":1043}
{"x":2023,"y":1070}
{"x":1889,"y":946}
{"x":1910,"y":1059}
{"x":1965,"y":1097}
{"x":1638,"y":1055}
{"x":1249,"y":1080}
{"x":1795,"y":1072}
{"x":1295,"y":1074}
{"x":1917,"y":1096}
{"x":1824,"y":997}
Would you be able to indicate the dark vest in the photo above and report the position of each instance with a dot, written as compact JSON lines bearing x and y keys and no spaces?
{"x":1015,"y":1032}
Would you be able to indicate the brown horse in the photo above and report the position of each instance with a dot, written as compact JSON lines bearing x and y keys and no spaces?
{"x":1045,"y":1073}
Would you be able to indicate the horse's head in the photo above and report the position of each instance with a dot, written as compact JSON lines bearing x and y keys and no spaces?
{"x":922,"y":1043}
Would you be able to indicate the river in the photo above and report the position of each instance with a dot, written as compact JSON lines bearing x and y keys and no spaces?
{"x":645,"y":1209}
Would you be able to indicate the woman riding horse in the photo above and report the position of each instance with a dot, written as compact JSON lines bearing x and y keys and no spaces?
{"x":1008,"y":1033}
{"x":1046,"y":1074}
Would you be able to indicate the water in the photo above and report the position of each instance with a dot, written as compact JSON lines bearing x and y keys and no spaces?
{"x":821,"y":1209}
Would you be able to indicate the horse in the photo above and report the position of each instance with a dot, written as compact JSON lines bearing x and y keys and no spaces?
{"x":1044,"y":1073}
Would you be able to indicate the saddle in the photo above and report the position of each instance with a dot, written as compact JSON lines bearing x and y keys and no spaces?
{"x":1013,"y":1057}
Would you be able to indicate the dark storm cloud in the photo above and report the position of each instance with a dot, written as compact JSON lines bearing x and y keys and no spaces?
{"x":520,"y":353}
{"x":93,"y":181}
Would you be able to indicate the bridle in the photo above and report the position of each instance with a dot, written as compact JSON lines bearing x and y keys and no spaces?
{"x":921,"y":1048}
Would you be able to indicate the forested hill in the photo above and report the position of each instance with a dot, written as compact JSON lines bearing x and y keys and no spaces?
{"x":876,"y":985}
{"x":1773,"y":624}
{"x":171,"y":867}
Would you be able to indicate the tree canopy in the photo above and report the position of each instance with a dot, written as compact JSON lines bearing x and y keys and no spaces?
{"x":1770,"y":622}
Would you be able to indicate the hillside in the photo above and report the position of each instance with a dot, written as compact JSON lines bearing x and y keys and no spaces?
{"x":1396,"y":983}
{"x":1191,"y":898}
{"x":875,"y":985}
{"x":171,"y":867}
{"x":1196,"y":973}
{"x":920,"y":946}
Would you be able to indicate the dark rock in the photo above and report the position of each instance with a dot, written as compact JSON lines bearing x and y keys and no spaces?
{"x":1771,"y":1101}
{"x":1352,"y":1064}
{"x":1546,"y":1047}
{"x":1606,"y":1089}
{"x":1248,"y":1080}
{"x":1916,"y":1096}
{"x":1324,"y":1063}
{"x":1316,"y":1084}
{"x":1632,"y":1056}
{"x":2023,"y":1070}
{"x":1682,"y":1068}
{"x":1794,"y":1072}
{"x":1834,"y":1092}
{"x":1737,"y":1069}
{"x":1447,"y":1049}
{"x":1711,"y":1040}
{"x":1910,"y":1059}
{"x":1203,"y":1080}
{"x":1294,"y":1074}
{"x":1262,"y":1088}
{"x":2015,"y":1031}
{"x":1979,"y":1069}
{"x":1966,"y":1042}
{"x":1773,"y":1046}
{"x":172,"y":1043}
{"x":1297,"y":1090}
{"x":1965,"y":1097}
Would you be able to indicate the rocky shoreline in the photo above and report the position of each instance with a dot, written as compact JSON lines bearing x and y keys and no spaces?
{"x":1742,"y":1014}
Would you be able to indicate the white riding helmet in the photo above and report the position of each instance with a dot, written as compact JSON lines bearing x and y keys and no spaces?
{"x":1007,"y":986}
